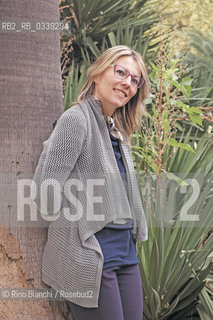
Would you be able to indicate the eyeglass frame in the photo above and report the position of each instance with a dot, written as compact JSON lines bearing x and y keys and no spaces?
{"x":143,"y":81}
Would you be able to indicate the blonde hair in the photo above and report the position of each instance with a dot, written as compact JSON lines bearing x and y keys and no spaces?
{"x":128,"y":117}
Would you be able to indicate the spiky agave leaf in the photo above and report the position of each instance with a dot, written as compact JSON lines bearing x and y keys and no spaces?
{"x":173,"y":259}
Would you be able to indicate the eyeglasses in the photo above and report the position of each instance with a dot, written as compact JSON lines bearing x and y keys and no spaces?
{"x":122,"y":73}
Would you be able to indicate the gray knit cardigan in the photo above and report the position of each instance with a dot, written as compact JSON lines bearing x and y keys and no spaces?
{"x":79,"y":151}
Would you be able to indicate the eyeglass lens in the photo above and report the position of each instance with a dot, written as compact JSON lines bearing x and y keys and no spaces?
{"x":123,"y":73}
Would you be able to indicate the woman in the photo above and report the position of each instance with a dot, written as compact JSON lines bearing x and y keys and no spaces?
{"x":87,"y":174}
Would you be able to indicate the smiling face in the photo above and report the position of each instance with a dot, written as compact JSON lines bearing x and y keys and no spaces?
{"x":112,"y":91}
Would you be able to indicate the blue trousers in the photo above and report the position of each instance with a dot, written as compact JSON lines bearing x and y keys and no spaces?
{"x":120,"y":296}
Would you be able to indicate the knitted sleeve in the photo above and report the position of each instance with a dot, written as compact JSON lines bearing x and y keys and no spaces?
{"x":58,"y":159}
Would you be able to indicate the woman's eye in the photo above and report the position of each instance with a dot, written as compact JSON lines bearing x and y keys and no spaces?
{"x":135,"y":81}
{"x":120,"y":72}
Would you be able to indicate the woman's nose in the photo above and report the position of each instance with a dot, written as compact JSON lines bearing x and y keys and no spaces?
{"x":127,"y":81}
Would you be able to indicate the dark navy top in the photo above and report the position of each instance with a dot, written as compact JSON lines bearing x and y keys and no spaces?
{"x":116,"y":240}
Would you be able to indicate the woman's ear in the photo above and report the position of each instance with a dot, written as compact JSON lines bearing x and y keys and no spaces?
{"x":96,"y":78}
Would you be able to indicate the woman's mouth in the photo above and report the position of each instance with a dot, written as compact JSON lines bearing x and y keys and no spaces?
{"x":121,"y":93}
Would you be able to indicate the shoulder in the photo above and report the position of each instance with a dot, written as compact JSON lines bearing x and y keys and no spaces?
{"x":73,"y":117}
{"x":73,"y":113}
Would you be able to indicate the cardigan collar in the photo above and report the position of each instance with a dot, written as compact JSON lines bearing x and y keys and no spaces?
{"x":110,"y":121}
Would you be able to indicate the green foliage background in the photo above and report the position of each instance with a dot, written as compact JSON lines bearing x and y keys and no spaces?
{"x":187,"y":15}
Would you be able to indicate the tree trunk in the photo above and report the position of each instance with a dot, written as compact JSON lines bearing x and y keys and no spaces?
{"x":31,"y":101}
